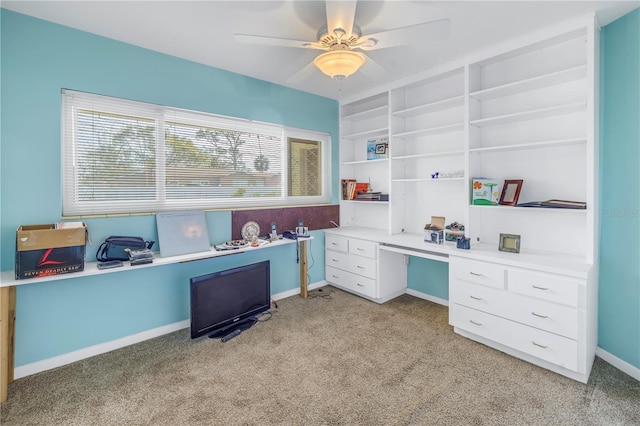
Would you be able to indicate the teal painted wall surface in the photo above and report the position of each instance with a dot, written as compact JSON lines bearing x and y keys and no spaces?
{"x":40,"y":58}
{"x":619,"y":283}
{"x":428,"y":276}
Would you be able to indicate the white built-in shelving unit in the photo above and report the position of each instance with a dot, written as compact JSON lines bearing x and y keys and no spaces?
{"x":526,"y":109}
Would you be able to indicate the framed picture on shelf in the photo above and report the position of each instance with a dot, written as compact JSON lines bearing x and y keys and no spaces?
{"x":509,"y":243}
{"x":510,"y":192}
{"x":381,"y":149}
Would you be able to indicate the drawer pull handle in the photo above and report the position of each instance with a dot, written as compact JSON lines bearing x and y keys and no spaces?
{"x":335,"y":260}
{"x":475,"y":298}
{"x":539,"y":316}
{"x":359,"y":249}
{"x":360,"y":285}
{"x":335,"y":276}
{"x":475,"y":323}
{"x":539,"y":345}
{"x":539,"y":288}
{"x":360,"y":267}
{"x":476,"y":274}
{"x":334,"y":244}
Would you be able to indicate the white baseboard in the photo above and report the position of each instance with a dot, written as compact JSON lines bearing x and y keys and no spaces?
{"x":428,"y":297}
{"x":621,"y":365}
{"x":68,"y":358}
{"x":71,"y":357}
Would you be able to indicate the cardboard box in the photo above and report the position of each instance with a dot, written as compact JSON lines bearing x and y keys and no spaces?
{"x":486,"y":192}
{"x":43,"y":250}
{"x":434,"y":231}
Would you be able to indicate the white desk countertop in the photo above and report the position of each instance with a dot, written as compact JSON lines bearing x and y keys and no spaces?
{"x":8,"y":278}
{"x":414,"y":245}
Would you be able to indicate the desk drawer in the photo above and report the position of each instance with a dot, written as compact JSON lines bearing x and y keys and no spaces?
{"x":355,"y":264}
{"x":363,"y":248}
{"x":547,"y":346}
{"x":544,"y":315}
{"x":543,"y":286}
{"x":351,"y":282}
{"x":334,"y":242}
{"x":477,"y":272}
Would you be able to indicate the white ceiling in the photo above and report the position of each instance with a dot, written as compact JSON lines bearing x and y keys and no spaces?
{"x":203,"y":31}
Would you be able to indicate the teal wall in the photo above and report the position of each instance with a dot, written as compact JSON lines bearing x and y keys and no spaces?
{"x":619,"y":284}
{"x":40,"y":58}
{"x":428,"y":276}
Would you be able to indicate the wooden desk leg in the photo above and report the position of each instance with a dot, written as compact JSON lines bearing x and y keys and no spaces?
{"x":303,"y":268}
{"x":5,"y":340}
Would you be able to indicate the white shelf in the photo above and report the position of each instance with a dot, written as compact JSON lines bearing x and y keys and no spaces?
{"x":531,"y":114}
{"x":367,"y":114}
{"x":547,"y":80}
{"x":365,"y":202}
{"x":377,"y":160}
{"x":8,"y":279}
{"x":531,"y":209}
{"x":531,"y":145}
{"x":367,"y":134}
{"x":449,"y":128}
{"x":427,"y":179}
{"x":433,"y":154}
{"x":456,"y":101}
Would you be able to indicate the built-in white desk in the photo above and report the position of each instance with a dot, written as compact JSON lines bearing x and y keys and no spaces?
{"x":8,"y":284}
{"x":537,"y":306}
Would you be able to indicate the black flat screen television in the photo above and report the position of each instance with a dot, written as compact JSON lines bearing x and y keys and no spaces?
{"x":226,"y":300}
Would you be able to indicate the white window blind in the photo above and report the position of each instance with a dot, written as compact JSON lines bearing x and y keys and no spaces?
{"x":121,"y":156}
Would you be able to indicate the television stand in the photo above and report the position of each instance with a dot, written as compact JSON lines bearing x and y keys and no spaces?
{"x":240,"y":325}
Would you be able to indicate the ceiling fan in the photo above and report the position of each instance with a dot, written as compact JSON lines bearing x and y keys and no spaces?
{"x":344,"y":43}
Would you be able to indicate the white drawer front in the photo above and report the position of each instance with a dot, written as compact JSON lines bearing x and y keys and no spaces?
{"x":363,"y":248}
{"x":337,"y":243}
{"x":337,"y":260}
{"x":547,"y":316}
{"x":362,"y":266}
{"x":543,"y":286}
{"x":547,"y":346}
{"x":477,"y":272}
{"x":351,"y":282}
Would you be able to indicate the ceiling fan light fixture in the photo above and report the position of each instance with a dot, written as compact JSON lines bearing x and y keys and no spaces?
{"x":339,"y":64}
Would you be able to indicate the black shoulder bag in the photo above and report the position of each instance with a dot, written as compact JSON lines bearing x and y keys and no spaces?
{"x":114,"y":248}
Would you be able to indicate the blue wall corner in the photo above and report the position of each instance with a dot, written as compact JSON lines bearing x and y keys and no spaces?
{"x":619,"y":246}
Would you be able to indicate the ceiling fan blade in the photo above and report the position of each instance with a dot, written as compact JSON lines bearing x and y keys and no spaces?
{"x":373,"y":69}
{"x":340,"y":14}
{"x":427,"y":31}
{"x":274,"y":41}
{"x":303,"y":74}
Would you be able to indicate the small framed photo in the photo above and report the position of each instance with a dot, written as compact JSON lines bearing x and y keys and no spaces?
{"x":381,"y":148}
{"x":509,"y":243}
{"x":510,"y":192}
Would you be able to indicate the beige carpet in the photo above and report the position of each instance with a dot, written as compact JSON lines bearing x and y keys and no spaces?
{"x":333,"y":359}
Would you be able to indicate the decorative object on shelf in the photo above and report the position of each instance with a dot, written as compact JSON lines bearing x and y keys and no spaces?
{"x":434,"y":231}
{"x":484,"y":192}
{"x":564,"y":204}
{"x":453,"y":231}
{"x":344,"y":184}
{"x":377,"y":148}
{"x":509,"y":243}
{"x":510,"y":192}
{"x":435,"y":175}
{"x":249,"y":230}
{"x":463,"y":243}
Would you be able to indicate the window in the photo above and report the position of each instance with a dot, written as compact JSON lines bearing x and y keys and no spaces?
{"x":122,"y":156}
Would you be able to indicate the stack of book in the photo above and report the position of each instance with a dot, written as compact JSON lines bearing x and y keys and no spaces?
{"x":351,"y":188}
{"x":368,"y":196}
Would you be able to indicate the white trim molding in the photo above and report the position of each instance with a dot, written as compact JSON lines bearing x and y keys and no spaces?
{"x":621,"y":365}
{"x":425,"y":296}
{"x":101,"y":348}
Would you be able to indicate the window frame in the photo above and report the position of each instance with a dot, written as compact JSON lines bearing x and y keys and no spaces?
{"x":73,"y":207}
